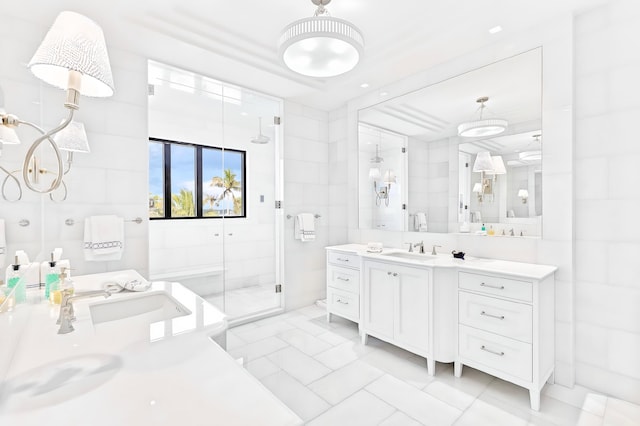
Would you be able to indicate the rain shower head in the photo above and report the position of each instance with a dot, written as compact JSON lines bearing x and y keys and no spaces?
{"x":260,"y":139}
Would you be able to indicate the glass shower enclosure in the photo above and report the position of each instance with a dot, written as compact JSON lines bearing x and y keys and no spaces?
{"x":215,"y":183}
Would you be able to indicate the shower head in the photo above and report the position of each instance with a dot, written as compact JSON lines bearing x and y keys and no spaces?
{"x":260,"y":139}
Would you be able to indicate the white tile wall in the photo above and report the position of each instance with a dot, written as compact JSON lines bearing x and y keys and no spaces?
{"x":607,"y":60}
{"x":307,"y":180}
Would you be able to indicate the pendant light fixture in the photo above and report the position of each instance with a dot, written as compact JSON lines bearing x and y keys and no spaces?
{"x":321,"y":46}
{"x":482,"y":126}
{"x":374,"y":169}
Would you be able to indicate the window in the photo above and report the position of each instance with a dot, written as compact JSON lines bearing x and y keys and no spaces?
{"x":199,"y":181}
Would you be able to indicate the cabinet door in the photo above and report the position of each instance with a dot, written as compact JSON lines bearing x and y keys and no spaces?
{"x":378,"y":299}
{"x":412,"y":308}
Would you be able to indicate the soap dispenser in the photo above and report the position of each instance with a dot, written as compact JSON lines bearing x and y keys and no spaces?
{"x":14,"y":282}
{"x":52,"y":276}
{"x":491,"y":231}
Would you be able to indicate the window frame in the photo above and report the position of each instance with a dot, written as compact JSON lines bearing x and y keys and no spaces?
{"x":166,"y":151}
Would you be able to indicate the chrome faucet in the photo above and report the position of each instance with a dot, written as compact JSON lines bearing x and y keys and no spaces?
{"x":410,"y":247}
{"x":421,"y":245}
{"x":511,"y":232}
{"x":433,"y":250}
{"x":67,"y":316}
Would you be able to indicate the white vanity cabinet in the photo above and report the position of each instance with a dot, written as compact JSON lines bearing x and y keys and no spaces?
{"x":343,"y":285}
{"x":396,"y":305}
{"x":506,"y":328}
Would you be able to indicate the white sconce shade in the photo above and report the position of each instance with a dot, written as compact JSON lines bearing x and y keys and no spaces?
{"x":498,"y":165}
{"x":374,"y":173}
{"x":389,"y":177}
{"x":477,"y":187}
{"x":74,"y":43}
{"x":73,"y":138}
{"x":483,"y":162}
{"x":321,"y":46}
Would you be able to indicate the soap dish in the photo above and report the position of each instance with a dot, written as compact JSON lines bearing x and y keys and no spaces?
{"x":458,"y":254}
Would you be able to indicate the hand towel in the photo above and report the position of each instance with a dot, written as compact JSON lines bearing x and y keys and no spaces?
{"x":304,"y":227}
{"x":3,"y":245}
{"x":103,"y":238}
{"x":420,"y":222}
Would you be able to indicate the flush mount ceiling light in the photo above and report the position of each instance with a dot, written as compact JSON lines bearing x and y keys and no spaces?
{"x":321,"y":46}
{"x":482,"y":126}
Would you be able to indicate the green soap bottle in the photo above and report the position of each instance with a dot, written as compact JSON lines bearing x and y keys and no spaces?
{"x":52,"y":279}
{"x":13,"y":282}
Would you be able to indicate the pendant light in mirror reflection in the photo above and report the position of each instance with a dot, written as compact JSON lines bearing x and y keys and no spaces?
{"x":73,"y":56}
{"x":482,"y":126}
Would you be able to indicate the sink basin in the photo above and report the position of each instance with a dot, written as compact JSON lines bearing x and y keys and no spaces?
{"x":147,"y":307}
{"x":411,"y":256}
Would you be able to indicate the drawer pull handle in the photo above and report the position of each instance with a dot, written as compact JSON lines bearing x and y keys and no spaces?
{"x":389,"y":273}
{"x":342,"y":259}
{"x":483,"y":347}
{"x":342,"y":301}
{"x":501,"y":287}
{"x":500,"y":317}
{"x":343,"y":279}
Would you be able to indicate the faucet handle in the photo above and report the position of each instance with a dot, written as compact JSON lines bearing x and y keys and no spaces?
{"x":410,"y":247}
{"x":433,"y":250}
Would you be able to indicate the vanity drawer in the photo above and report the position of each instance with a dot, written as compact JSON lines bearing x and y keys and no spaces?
{"x":343,"y":278}
{"x":510,"y":319}
{"x":497,"y":352}
{"x":344,"y":259}
{"x":343,"y":303}
{"x":497,"y":286}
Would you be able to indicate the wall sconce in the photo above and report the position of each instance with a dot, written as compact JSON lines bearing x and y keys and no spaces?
{"x":524,"y":194}
{"x":73,"y":56}
{"x":484,"y":165}
{"x":382,"y":192}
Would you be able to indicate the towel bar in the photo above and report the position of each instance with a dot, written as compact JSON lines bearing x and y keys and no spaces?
{"x":71,"y":222}
{"x":317,"y":216}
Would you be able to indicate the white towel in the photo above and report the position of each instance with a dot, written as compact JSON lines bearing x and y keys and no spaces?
{"x":420,"y":222}
{"x":3,"y":245}
{"x":103,"y":238}
{"x":304,"y":227}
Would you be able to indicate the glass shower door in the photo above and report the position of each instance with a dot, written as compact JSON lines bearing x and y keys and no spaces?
{"x":251,"y":221}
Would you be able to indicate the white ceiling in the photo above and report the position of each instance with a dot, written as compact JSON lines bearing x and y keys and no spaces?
{"x":235,"y":40}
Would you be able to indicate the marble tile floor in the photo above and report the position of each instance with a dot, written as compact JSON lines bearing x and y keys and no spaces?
{"x":245,"y":301}
{"x":323,"y":373}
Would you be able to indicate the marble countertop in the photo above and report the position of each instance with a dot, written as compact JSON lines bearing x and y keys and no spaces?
{"x":128,"y":371}
{"x":446,"y":260}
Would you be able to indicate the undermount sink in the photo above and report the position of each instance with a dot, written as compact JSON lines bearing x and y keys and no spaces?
{"x":147,"y":307}
{"x":411,"y":256}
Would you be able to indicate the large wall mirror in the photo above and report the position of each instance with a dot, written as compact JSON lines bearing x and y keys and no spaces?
{"x":457,"y":155}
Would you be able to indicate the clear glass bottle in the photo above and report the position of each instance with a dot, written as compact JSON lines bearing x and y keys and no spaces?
{"x":55,"y":296}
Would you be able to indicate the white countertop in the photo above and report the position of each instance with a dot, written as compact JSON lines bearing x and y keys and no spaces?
{"x":127,"y":372}
{"x":446,"y":260}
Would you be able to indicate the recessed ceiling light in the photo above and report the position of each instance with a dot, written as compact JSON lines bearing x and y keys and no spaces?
{"x":495,"y":29}
{"x":364,"y":85}
{"x":384,"y":93}
{"x":244,"y":114}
